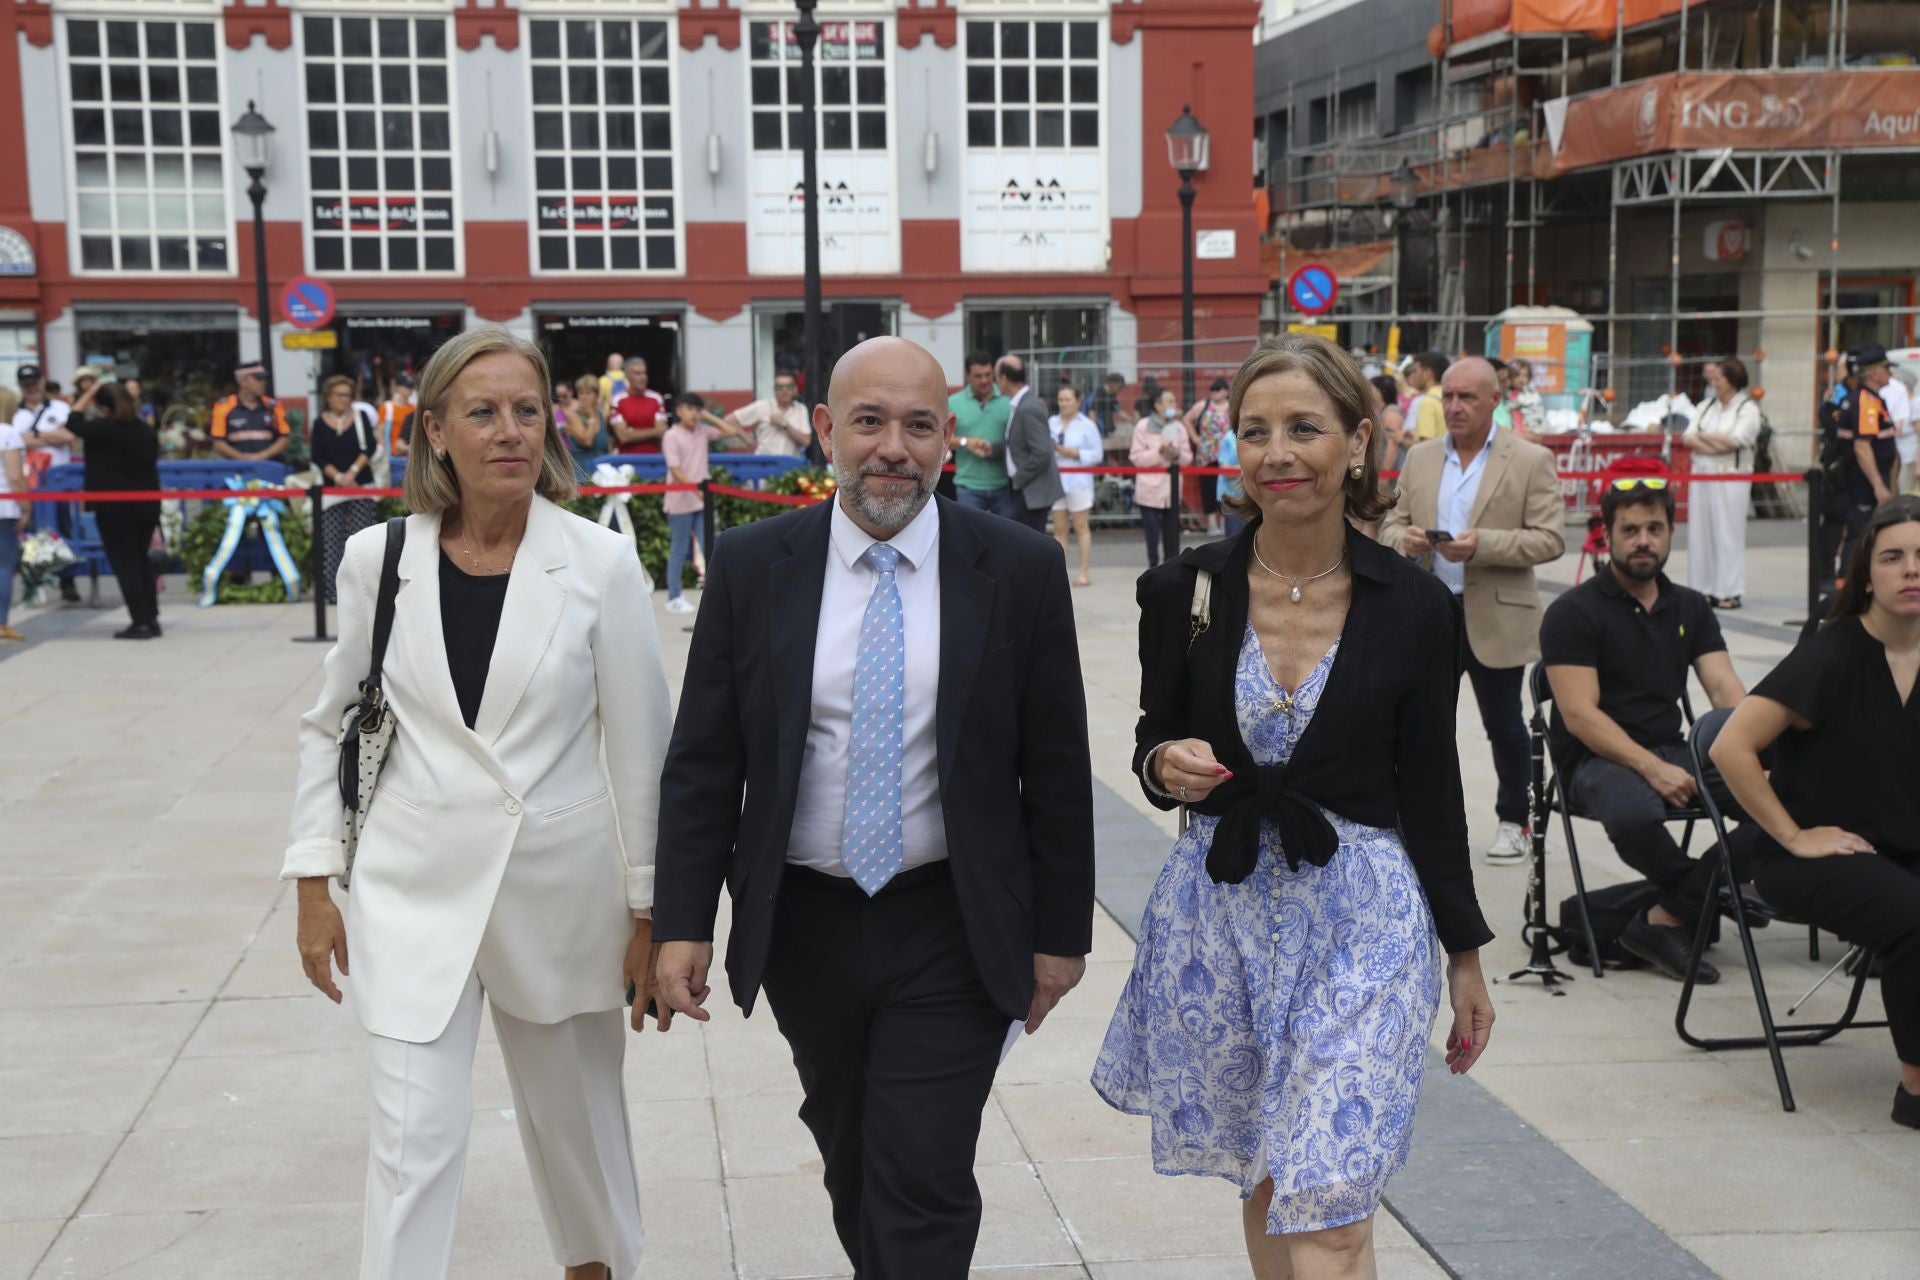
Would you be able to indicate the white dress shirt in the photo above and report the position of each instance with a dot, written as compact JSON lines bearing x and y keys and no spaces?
{"x":1013,"y":404}
{"x":819,"y":816}
{"x":1459,"y":486}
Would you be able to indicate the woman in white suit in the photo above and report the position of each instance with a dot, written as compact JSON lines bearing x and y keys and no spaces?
{"x":508,"y":850}
{"x":1721,"y":439}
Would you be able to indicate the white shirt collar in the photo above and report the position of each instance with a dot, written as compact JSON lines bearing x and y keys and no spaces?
{"x":915,"y":543}
{"x":1018,"y":396}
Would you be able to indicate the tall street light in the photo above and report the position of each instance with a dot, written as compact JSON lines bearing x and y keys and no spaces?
{"x":1404,"y":186}
{"x":253,"y":138}
{"x":808,"y":33}
{"x":1187,"y":152}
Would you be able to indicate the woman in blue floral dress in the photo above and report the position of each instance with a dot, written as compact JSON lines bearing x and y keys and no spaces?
{"x":1288,"y":973}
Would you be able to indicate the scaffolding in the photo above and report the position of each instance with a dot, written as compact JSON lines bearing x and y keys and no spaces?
{"x":1486,"y":170}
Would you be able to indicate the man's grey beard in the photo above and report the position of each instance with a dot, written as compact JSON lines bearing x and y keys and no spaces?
{"x":884,"y":513}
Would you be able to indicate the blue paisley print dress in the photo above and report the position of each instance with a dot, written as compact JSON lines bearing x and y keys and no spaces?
{"x":1278,"y":1027}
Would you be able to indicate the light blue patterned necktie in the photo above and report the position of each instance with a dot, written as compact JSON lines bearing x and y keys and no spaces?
{"x":871,"y":843}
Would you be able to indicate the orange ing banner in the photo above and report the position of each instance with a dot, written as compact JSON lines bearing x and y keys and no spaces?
{"x":1748,"y":111}
{"x":1477,"y":17}
{"x":1544,"y":346}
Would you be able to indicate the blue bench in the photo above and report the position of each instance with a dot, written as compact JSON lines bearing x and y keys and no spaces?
{"x":83,"y":535}
{"x":747,"y":468}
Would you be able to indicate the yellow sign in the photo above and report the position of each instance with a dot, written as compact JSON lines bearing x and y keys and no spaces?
{"x":317,"y":340}
{"x":1331,"y":332}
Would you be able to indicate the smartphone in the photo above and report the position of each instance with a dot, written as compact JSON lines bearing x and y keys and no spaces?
{"x":1438,"y":536}
{"x":653,"y":1010}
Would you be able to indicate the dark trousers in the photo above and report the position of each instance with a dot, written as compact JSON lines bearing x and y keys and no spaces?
{"x":126,"y":532}
{"x":896,"y":1041}
{"x":1868,"y":898}
{"x":1497,"y":690}
{"x":998,"y":502}
{"x":1035,"y":518}
{"x":1162,"y":528}
{"x":1636,"y":821}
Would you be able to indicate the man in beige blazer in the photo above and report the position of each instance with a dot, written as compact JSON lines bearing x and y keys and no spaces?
{"x":1497,"y":501}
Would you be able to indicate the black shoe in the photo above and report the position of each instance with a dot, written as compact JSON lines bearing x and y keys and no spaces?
{"x":139,"y":631}
{"x":69,"y":594}
{"x":1906,"y":1107}
{"x":1666,"y":949}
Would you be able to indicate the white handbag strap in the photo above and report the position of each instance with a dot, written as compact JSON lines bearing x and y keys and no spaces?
{"x":1201,"y":616}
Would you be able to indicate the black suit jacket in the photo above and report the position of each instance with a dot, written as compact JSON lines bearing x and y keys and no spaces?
{"x":1380,"y":749}
{"x":1016,"y":783}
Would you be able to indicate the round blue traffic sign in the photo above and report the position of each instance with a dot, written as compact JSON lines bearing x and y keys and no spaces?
{"x":1313,"y":289}
{"x":307,"y":303}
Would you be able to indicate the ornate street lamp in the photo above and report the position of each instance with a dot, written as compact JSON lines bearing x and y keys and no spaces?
{"x":253,"y":139}
{"x":1187,"y":153}
{"x":808,"y":33}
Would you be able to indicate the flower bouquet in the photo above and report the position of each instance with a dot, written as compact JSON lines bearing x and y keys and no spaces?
{"x":43,"y":554}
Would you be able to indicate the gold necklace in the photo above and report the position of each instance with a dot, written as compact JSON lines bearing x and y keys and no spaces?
{"x":1294,"y":595}
{"x":473,"y":561}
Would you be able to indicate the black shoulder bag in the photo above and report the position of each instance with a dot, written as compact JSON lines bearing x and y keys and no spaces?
{"x":366,"y":730}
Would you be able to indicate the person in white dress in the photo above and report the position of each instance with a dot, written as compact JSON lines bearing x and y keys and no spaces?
{"x":1077,"y":442}
{"x":1721,"y":439}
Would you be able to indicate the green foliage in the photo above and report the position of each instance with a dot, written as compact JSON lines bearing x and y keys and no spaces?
{"x":200,"y":537}
{"x":807,"y":482}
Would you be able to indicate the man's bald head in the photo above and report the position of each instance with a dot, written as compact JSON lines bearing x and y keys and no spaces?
{"x":1469,"y":393}
{"x":887,"y":428}
{"x":896,"y":361}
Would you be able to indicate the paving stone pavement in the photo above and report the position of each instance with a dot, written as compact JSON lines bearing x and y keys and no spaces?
{"x":175,"y":1102}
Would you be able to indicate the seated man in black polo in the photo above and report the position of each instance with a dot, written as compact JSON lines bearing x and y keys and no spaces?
{"x":1617,"y":649}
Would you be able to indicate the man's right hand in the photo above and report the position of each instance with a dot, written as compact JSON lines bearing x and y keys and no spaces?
{"x":1414,"y":542}
{"x":1674,"y":784}
{"x":682,"y":980}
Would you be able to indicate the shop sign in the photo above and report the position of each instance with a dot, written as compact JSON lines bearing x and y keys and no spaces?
{"x":1034,"y":210}
{"x":616,"y":213}
{"x":318,"y":340}
{"x":859,"y":226}
{"x":383,"y":213}
{"x":1213,"y":244}
{"x":600,"y":321}
{"x":397,"y":322}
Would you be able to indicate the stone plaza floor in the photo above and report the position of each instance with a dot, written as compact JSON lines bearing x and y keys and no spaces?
{"x":176,"y":1102}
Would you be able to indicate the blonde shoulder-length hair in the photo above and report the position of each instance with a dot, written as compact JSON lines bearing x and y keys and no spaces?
{"x":432,"y":486}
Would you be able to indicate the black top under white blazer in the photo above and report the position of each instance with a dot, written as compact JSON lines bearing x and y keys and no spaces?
{"x":1011,"y":727}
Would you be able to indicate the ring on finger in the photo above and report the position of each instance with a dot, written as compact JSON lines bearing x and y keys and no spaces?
{"x":1183,"y":795}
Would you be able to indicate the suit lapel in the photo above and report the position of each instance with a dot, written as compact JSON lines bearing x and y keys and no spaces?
{"x":1426,"y":486}
{"x":1499,"y":453}
{"x":416,"y":628}
{"x":966,"y":606}
{"x":528,"y":619}
{"x":794,"y":587}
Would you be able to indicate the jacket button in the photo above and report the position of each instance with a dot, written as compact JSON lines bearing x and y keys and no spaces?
{"x":512,"y":805}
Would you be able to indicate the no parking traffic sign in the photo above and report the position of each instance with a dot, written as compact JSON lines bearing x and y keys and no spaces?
{"x":307,"y":303}
{"x":1312,"y":289}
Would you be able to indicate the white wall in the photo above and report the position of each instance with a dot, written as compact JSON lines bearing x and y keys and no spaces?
{"x":712,"y":98}
{"x":945,"y":336}
{"x":43,"y":100}
{"x":719,"y":353}
{"x":489,"y":83}
{"x":927,"y":96}
{"x":1123,"y":129}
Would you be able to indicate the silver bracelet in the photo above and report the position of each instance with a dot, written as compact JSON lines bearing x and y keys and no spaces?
{"x":1146,"y":771}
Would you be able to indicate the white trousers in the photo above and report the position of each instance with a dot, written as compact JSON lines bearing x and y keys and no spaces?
{"x":1717,"y":538}
{"x":572,"y":1109}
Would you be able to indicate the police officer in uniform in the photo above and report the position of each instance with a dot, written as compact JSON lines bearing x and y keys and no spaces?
{"x":1872,"y":459}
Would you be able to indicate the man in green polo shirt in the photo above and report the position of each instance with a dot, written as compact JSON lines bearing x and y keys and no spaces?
{"x":979,"y":443}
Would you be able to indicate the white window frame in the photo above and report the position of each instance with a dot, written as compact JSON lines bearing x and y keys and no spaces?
{"x":408,"y":12}
{"x":178,"y":14}
{"x":885,"y":18}
{"x":1032,"y":18}
{"x":631,"y":12}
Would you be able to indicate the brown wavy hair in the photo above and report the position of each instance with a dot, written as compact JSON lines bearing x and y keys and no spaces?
{"x":1338,"y":375}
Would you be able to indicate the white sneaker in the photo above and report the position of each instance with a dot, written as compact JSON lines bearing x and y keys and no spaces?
{"x":1509,"y":845}
{"x":680,"y":604}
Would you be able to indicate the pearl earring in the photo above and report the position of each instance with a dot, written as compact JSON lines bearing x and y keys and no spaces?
{"x":440,"y":455}
{"x":1358,"y":471}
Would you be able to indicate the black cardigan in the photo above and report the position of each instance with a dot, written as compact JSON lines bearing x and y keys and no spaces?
{"x":1380,"y":748}
{"x":119,"y":455}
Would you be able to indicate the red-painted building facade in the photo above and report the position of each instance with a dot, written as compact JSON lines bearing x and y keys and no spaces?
{"x":616,"y":175}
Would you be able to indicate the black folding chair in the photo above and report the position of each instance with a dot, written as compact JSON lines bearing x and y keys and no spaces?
{"x":1551,"y":798}
{"x":1723,"y":893}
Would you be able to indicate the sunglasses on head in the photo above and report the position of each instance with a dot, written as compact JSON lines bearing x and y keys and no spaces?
{"x":1656,"y":483}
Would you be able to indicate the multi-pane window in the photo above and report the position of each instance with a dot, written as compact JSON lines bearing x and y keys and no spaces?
{"x":603,"y":145}
{"x":851,"y":88}
{"x":1033,"y":84}
{"x":379,"y":144}
{"x":150,"y":189}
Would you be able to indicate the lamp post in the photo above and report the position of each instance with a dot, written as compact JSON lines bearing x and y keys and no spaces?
{"x":1187,"y":152}
{"x":253,"y":137}
{"x":808,"y":33}
{"x":1404,"y":186}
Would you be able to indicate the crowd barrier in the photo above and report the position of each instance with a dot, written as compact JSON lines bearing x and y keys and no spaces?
{"x":709,"y":490}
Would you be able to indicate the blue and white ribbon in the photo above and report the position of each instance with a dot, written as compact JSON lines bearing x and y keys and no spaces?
{"x":266,"y":513}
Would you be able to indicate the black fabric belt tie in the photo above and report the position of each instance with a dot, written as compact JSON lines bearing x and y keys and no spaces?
{"x":1240,"y":805}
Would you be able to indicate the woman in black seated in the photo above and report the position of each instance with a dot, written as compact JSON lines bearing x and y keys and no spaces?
{"x":1841,"y":810}
{"x":123,"y":453}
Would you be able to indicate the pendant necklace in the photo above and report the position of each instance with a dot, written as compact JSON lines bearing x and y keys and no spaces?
{"x":1294,"y":595}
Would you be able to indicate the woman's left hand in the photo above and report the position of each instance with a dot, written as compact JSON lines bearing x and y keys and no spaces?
{"x":639,"y":970}
{"x":1472,"y":1012}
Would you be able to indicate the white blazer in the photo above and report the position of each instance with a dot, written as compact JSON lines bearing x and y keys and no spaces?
{"x":522,"y":846}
